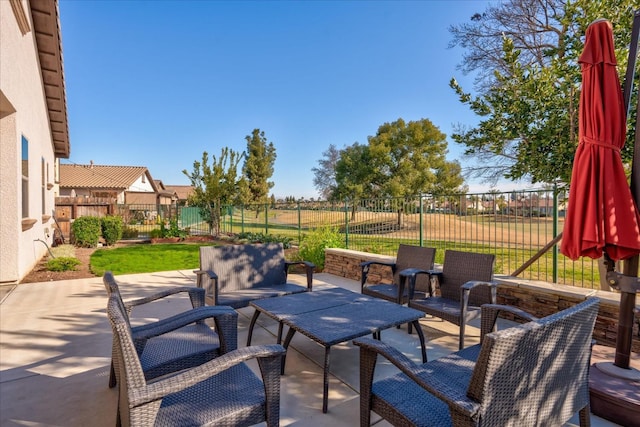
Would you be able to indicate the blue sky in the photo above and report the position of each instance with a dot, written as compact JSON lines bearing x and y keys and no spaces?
{"x":156,"y":83}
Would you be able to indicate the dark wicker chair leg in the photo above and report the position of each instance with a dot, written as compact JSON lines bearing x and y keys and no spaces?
{"x":251,"y":326}
{"x":584,"y":416}
{"x":112,"y":376}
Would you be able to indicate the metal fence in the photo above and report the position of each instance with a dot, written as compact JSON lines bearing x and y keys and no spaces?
{"x":512,"y":225}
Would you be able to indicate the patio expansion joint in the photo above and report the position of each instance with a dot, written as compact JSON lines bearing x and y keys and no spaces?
{"x":5,"y":291}
{"x":24,"y":377}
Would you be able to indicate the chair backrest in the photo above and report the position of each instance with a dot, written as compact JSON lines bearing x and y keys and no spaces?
{"x":460,"y":267}
{"x":130,"y":373}
{"x":536,"y":373}
{"x":245,"y":266}
{"x":410,"y":256}
{"x":111,"y":285}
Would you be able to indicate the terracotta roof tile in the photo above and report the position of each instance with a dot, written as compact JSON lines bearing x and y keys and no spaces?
{"x":182,"y":191}
{"x":97,"y":176}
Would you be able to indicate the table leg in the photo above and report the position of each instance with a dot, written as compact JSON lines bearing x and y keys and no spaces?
{"x":251,"y":325}
{"x":325,"y":391}
{"x":287,"y":340}
{"x":416,"y":323}
{"x":279,"y":332}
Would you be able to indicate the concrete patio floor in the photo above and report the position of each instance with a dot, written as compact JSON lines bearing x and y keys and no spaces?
{"x":55,"y":348}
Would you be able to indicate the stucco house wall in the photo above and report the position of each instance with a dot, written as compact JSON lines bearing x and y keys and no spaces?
{"x":24,"y":113}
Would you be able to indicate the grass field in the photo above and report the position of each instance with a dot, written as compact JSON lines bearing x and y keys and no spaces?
{"x":514,"y":239}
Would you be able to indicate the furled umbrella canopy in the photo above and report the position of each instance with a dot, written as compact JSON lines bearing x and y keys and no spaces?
{"x":601,"y":215}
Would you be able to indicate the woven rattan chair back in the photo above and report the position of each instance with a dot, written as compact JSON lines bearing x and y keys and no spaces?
{"x":415,"y":257}
{"x":542,"y":365}
{"x":461,"y":267}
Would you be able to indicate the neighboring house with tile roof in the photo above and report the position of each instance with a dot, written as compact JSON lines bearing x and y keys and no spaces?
{"x":33,"y":129}
{"x":182,"y":192}
{"x":166,"y":193}
{"x":127,"y":185}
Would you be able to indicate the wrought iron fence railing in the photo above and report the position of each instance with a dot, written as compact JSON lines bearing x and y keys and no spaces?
{"x":513,"y":225}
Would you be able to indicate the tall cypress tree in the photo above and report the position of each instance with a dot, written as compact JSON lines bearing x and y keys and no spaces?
{"x":258,"y":167}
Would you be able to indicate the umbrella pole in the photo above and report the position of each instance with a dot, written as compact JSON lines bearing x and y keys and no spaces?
{"x":629,"y":283}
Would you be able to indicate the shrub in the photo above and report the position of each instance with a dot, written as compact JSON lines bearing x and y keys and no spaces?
{"x":62,"y":264}
{"x":156,"y":233}
{"x":129,"y":233}
{"x":112,"y":229}
{"x":313,"y":244}
{"x":265,"y":238}
{"x":86,"y":231}
{"x":174,"y":230}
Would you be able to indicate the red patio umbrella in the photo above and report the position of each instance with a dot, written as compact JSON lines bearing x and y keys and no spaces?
{"x":601,"y":215}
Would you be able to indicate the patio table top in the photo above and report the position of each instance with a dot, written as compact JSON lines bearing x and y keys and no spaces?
{"x":332,"y":316}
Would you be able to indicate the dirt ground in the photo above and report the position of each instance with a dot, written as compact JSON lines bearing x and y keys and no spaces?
{"x":41,"y":274}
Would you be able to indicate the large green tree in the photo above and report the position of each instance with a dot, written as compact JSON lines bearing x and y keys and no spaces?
{"x":215,"y":185}
{"x":258,"y":166}
{"x":400,"y":160}
{"x":410,"y":158}
{"x":525,"y":56}
{"x":354,"y":174}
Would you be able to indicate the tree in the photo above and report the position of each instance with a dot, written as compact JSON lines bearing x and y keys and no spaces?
{"x":215,"y":185}
{"x":401,"y":160}
{"x":525,"y":53}
{"x":410,"y":158}
{"x":324,"y":178}
{"x":258,"y":167}
{"x":355,"y":175}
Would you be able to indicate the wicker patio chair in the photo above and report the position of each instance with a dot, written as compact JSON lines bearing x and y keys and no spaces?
{"x":222,"y":391}
{"x":180,"y":341}
{"x":408,"y":256}
{"x":464,"y":284}
{"x":235,"y":275}
{"x":534,"y":374}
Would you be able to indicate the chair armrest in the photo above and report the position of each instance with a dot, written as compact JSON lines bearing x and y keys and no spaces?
{"x":213,"y":277}
{"x":473,"y":283}
{"x":309,"y":268}
{"x":489,"y":316}
{"x":411,"y":274}
{"x":423,"y":375}
{"x":185,"y":379}
{"x":465,"y":292}
{"x":196,"y":296}
{"x":366,"y":266}
{"x":226,"y":320}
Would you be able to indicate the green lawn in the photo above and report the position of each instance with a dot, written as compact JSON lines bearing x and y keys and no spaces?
{"x":145,"y":258}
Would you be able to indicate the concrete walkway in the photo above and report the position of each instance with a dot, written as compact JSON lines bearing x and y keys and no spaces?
{"x":55,"y":348}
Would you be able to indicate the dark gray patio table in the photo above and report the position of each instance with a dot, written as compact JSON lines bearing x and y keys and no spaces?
{"x":333,"y":316}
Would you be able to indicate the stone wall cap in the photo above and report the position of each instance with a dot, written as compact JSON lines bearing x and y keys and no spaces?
{"x":554,"y":288}
{"x":360,"y":254}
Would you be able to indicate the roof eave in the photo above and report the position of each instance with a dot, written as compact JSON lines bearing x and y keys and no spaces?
{"x":46,"y":25}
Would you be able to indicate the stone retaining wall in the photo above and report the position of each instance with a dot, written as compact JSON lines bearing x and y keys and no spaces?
{"x":538,"y":298}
